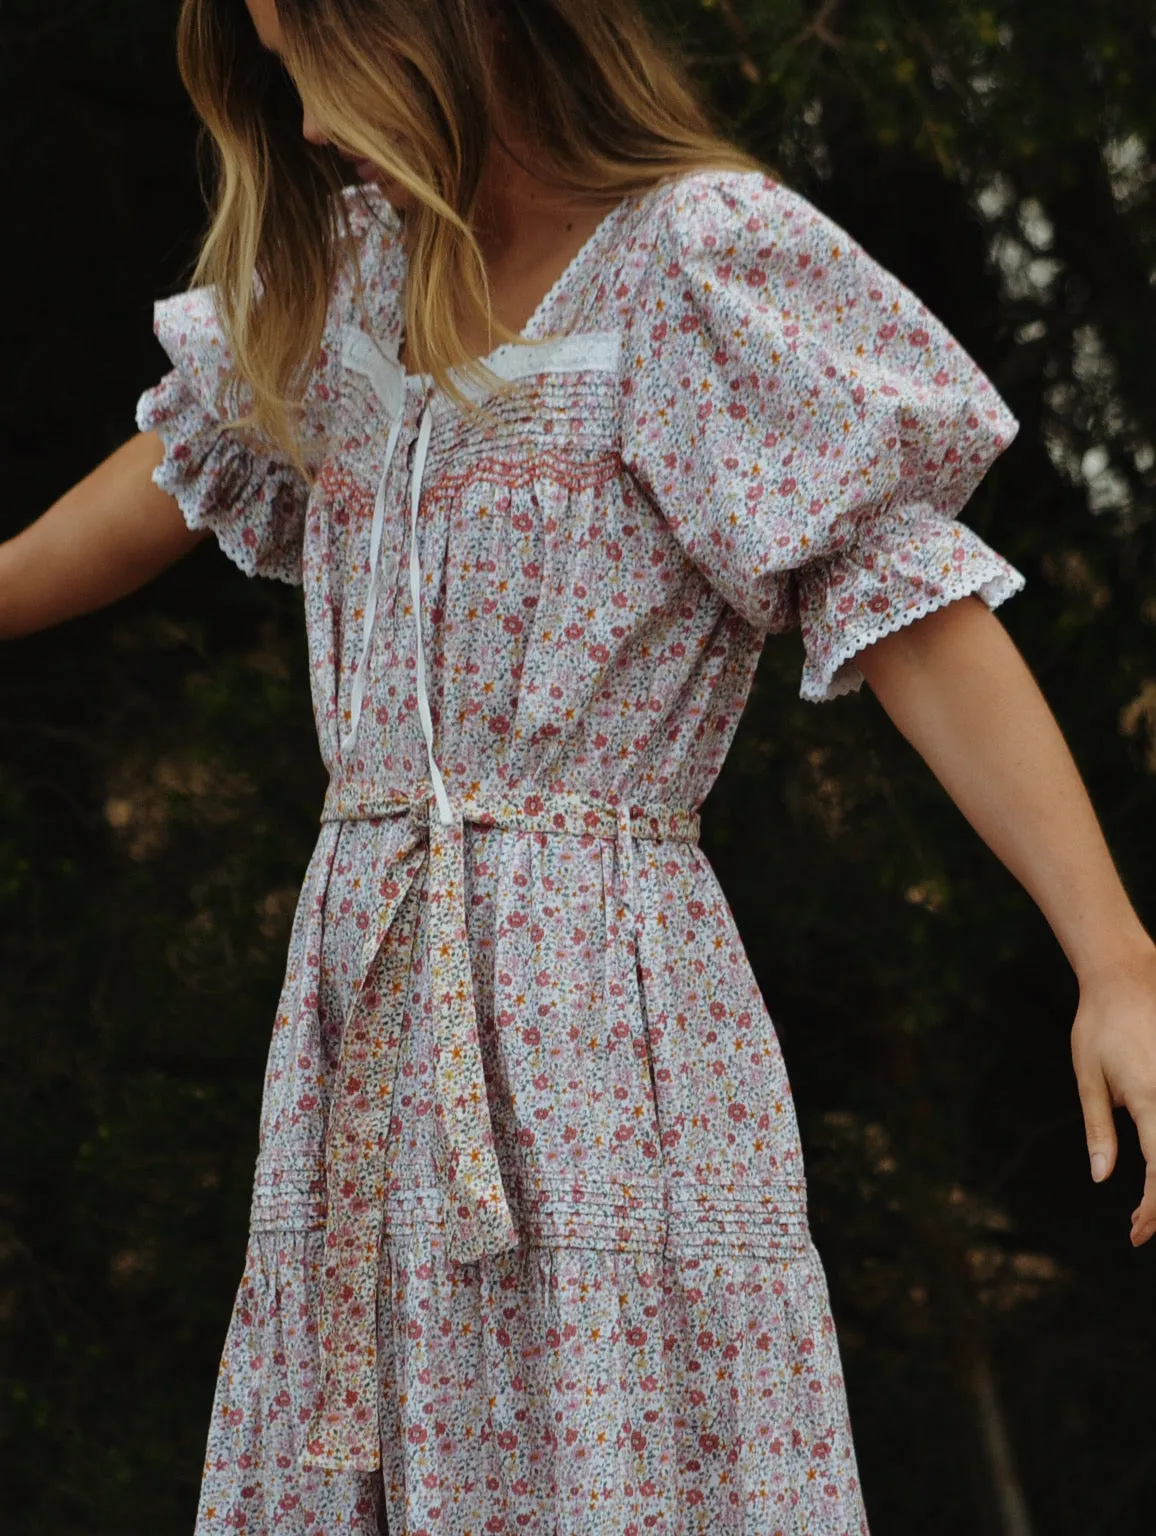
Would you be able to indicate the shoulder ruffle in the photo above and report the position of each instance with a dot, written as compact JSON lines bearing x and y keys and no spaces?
{"x":246,"y":492}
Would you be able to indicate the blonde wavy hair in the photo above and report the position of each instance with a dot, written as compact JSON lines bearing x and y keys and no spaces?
{"x":413,"y":86}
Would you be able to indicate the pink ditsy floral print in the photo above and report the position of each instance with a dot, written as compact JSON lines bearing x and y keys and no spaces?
{"x":529,"y":1247}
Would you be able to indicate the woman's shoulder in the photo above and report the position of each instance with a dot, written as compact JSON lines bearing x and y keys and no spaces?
{"x":732,"y":240}
{"x":723,"y":221}
{"x":715,"y":206}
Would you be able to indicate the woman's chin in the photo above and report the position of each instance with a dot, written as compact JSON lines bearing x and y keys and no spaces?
{"x":392,"y":191}
{"x":396,"y":194}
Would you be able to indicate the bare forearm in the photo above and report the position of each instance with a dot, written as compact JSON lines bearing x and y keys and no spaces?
{"x":107,"y":536}
{"x":957,"y":688}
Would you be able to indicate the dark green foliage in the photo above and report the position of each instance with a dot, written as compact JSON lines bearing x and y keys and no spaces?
{"x":159,"y":789}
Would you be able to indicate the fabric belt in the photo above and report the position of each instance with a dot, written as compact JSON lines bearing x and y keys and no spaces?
{"x":478,"y":1220}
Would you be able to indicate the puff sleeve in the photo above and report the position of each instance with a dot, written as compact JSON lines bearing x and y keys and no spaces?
{"x":806,"y":428}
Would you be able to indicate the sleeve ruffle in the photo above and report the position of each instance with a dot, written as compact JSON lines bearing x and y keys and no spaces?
{"x":806,"y":427}
{"x":899,"y":566}
{"x":248,"y":494}
{"x":252,"y":502}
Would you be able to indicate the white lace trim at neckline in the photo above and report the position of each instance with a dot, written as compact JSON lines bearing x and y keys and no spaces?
{"x":589,"y":351}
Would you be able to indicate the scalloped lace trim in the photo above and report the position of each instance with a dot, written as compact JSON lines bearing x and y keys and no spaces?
{"x":169,"y":477}
{"x":1003,"y":582}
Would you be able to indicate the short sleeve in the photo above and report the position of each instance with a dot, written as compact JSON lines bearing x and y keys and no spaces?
{"x":253,"y":501}
{"x":251,"y":497}
{"x":806,"y":428}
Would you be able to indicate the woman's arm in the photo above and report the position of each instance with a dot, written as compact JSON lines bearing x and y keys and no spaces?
{"x":958,"y":689}
{"x":110,"y":534}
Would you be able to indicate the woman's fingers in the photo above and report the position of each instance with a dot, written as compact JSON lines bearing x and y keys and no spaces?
{"x":1100,"y":1130}
{"x":1144,"y":1216}
{"x":1099,"y":1127}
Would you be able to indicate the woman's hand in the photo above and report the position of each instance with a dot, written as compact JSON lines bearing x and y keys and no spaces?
{"x":956,"y":686}
{"x":1114,"y":1054}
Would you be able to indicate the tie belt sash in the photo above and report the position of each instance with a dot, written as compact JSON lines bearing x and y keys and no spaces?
{"x":478,"y":1220}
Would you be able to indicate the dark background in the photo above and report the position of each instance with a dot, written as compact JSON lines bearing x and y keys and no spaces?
{"x":160,"y":785}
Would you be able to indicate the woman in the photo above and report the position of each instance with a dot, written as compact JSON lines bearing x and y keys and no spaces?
{"x":529,"y":1247}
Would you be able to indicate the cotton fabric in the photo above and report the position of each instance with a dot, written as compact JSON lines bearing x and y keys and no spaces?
{"x":529,"y":1248}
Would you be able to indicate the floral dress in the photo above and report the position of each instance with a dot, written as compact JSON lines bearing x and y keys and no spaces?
{"x":529,"y":1252}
